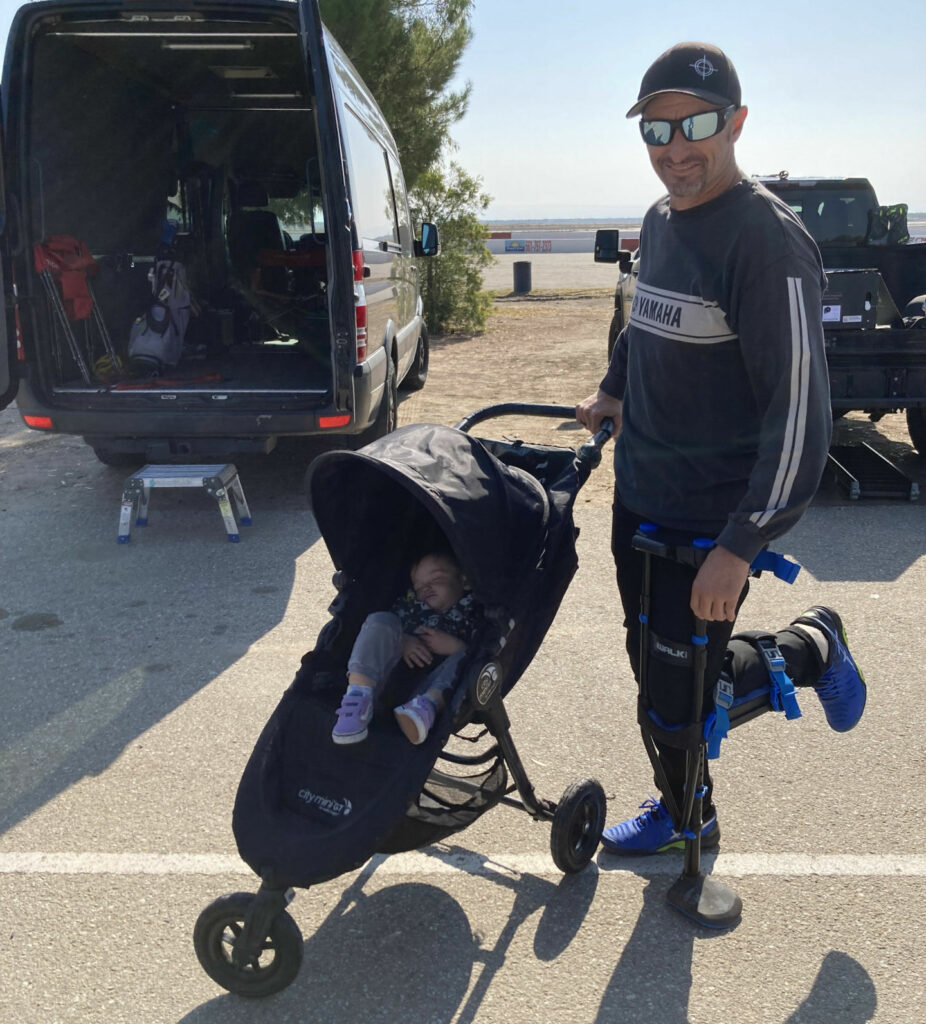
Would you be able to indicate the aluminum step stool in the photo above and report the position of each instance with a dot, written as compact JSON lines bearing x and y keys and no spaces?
{"x":219,"y":481}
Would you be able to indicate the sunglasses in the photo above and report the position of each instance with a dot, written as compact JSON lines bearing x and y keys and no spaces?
{"x":695,"y":127}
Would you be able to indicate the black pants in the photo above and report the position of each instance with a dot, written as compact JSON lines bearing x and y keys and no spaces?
{"x":668,"y":685}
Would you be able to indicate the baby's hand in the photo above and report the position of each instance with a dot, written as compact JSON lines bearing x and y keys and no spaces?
{"x":415,"y":652}
{"x":440,"y":642}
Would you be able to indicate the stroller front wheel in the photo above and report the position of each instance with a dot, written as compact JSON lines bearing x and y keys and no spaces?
{"x":577,"y":825}
{"x":277,"y":959}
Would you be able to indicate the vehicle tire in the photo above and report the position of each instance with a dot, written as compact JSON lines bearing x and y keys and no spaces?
{"x":916,"y":427}
{"x":577,"y":825}
{"x":387,"y":419}
{"x":214,"y":935}
{"x":418,"y":371}
{"x":119,"y":460}
{"x":617,"y":325}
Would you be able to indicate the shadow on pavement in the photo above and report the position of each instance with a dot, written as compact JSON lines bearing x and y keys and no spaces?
{"x":101,"y":640}
{"x":412,"y":952}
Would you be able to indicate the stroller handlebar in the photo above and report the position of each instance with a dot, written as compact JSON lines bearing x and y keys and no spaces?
{"x":588,"y":455}
{"x":490,"y":412}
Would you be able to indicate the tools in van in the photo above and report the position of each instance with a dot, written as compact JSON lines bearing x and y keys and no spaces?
{"x":65,"y":266}
{"x":156,"y":338}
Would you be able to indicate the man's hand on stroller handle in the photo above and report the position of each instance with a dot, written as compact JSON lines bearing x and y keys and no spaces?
{"x":592,"y":410}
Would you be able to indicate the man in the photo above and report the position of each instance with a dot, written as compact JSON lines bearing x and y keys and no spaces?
{"x":718,"y":389}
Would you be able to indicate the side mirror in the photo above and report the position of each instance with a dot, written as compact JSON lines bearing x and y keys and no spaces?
{"x":625,"y":261}
{"x":608,"y":248}
{"x":430,"y":240}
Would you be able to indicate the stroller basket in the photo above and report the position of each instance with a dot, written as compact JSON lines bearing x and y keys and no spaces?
{"x":446,"y":804}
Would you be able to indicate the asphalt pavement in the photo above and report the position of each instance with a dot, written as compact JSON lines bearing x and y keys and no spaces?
{"x":137,"y":677}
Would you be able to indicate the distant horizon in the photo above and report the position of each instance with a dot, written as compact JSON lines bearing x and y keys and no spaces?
{"x":919,"y":216}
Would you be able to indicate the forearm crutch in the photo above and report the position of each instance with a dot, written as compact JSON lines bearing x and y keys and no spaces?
{"x":698,"y":896}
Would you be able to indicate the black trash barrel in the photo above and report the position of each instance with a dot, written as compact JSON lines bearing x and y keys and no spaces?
{"x":522,"y":277}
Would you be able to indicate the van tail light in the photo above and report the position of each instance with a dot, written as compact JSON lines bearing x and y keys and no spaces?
{"x":332,"y":422}
{"x":38,"y":422}
{"x":360,"y":307}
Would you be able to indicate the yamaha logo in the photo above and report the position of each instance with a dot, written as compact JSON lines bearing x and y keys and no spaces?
{"x":487,"y":683}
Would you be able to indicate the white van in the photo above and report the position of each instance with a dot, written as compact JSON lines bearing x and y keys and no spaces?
{"x":207,"y":241}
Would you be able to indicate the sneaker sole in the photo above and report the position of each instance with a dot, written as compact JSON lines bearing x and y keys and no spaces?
{"x":412,"y":726}
{"x":835,"y":622}
{"x":708,"y":842}
{"x":354,"y":737}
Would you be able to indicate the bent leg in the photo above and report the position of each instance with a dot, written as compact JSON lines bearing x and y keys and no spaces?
{"x":377,"y":649}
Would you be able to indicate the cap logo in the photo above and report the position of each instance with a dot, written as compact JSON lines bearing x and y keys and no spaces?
{"x":704,"y":68}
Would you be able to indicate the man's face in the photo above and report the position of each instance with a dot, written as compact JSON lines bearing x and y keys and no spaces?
{"x":437,"y":582}
{"x":693,"y":172}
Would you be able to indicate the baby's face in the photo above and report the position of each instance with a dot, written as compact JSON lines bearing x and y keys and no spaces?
{"x":437,"y":582}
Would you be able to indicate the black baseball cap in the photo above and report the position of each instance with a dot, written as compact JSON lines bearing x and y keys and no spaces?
{"x":697,"y":69}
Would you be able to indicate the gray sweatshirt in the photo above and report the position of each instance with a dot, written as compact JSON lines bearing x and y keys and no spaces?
{"x":721,"y":368}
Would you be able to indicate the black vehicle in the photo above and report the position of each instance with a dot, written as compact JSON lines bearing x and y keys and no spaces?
{"x":874,"y":309}
{"x":309,"y":810}
{"x":207,"y":240}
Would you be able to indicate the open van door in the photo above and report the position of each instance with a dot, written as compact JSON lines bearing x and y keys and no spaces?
{"x":8,"y":375}
{"x":337,"y":212}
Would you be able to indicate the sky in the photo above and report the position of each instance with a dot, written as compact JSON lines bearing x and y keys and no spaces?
{"x":834,"y":87}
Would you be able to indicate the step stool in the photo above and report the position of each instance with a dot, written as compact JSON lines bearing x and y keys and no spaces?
{"x":219,"y":481}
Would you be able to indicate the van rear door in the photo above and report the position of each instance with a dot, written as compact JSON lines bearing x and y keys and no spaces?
{"x":8,"y":376}
{"x":337,"y":218}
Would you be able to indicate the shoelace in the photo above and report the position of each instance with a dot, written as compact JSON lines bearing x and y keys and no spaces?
{"x":649,"y":806}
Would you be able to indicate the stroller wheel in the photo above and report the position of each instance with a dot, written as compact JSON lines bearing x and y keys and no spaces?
{"x":277,"y":961}
{"x":577,"y":825}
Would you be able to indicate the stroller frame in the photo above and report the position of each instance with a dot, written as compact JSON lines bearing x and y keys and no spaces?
{"x":235,"y":931}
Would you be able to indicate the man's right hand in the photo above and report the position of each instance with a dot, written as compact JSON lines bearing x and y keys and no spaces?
{"x":592,"y":410}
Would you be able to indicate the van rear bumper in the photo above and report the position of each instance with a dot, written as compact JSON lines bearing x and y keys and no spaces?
{"x":215,"y":428}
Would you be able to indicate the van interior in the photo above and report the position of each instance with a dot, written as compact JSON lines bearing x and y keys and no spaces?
{"x":183,"y":139}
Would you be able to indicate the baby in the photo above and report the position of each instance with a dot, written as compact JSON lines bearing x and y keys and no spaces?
{"x":436,"y":617}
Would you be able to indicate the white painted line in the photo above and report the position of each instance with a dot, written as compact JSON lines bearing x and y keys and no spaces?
{"x":441,"y":862}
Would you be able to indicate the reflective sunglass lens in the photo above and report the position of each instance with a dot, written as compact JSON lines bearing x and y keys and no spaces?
{"x":656,"y":133}
{"x":701,"y":126}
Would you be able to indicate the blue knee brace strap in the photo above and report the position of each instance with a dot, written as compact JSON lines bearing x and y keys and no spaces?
{"x":781,"y":695}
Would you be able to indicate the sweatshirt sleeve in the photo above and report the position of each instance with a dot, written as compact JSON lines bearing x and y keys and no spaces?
{"x":780,"y":331}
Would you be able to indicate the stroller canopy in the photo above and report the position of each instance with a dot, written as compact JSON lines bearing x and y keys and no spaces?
{"x":380,"y":501}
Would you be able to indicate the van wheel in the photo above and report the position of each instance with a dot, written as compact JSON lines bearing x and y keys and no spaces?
{"x":119,"y":460}
{"x":418,"y":372}
{"x":916,"y":426}
{"x":387,"y":419}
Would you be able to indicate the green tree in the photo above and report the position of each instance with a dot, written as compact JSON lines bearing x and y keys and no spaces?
{"x":451,"y":283}
{"x":408,"y":52}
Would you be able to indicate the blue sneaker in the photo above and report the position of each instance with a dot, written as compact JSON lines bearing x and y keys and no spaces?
{"x":653,"y":831}
{"x":354,"y":715}
{"x":841,"y":688}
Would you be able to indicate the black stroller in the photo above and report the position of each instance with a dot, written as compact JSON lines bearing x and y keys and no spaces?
{"x":308,"y":810}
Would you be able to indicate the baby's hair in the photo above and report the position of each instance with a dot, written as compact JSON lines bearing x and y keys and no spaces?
{"x":444,"y":554}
